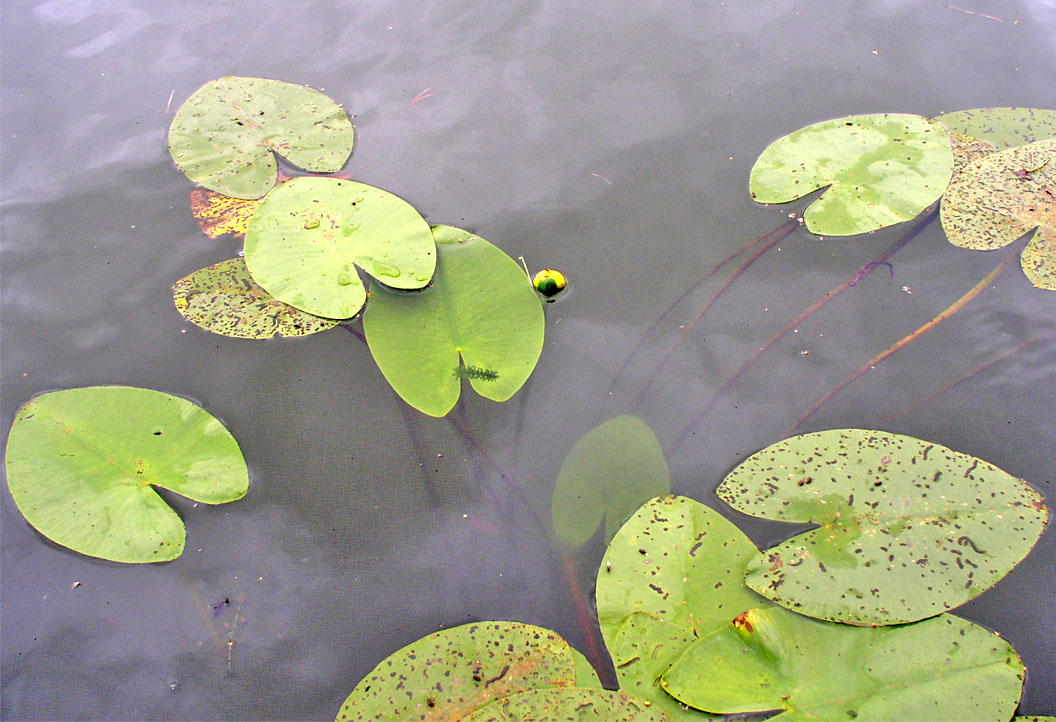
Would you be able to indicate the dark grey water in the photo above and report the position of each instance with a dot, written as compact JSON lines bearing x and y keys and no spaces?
{"x":610,"y":140}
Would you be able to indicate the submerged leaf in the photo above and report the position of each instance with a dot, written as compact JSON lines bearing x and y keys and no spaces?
{"x":81,"y":465}
{"x":881,"y":169}
{"x":906,"y":529}
{"x":224,"y":298}
{"x":224,"y":135}
{"x":568,"y":705}
{"x":1003,"y":127}
{"x":967,"y":150}
{"x":220,"y":215}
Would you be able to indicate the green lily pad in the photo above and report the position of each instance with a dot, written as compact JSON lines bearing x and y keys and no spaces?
{"x":451,"y":673}
{"x":586,"y":675}
{"x":307,"y":237}
{"x":609,"y":473}
{"x":81,"y":465}
{"x":568,"y":705}
{"x":481,"y":306}
{"x":1004,"y":127}
{"x":881,"y":169}
{"x":224,"y":135}
{"x":766,"y":659}
{"x":224,"y":298}
{"x":996,"y":199}
{"x":906,"y":529}
{"x":673,"y":572}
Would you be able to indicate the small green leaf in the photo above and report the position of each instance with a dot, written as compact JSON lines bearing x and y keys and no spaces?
{"x":1003,"y":127}
{"x":586,"y":676}
{"x":223,"y":136}
{"x":81,"y":465}
{"x":906,"y":529}
{"x":481,"y":307}
{"x":568,"y":705}
{"x":881,"y":169}
{"x":609,"y":473}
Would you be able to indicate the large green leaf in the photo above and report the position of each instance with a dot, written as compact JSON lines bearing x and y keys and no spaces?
{"x":307,"y":237}
{"x":942,"y":668}
{"x":223,"y":136}
{"x":673,"y":572}
{"x":480,"y":306}
{"x":81,"y":465}
{"x":999,"y":197}
{"x":609,"y":473}
{"x":906,"y":529}
{"x":881,"y":169}
{"x":450,"y":673}
{"x":1003,"y":127}
{"x":568,"y":705}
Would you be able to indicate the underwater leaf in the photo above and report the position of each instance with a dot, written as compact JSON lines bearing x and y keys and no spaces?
{"x":1003,"y":127}
{"x":765,"y":659}
{"x":568,"y":705}
{"x":906,"y":529}
{"x":309,"y":234}
{"x":609,"y":473}
{"x":220,"y":215}
{"x":996,"y":199}
{"x":480,"y":306}
{"x":81,"y":465}
{"x":967,"y":150}
{"x":224,"y":298}
{"x":450,"y":673}
{"x":881,"y":169}
{"x":224,"y":135}
{"x":673,"y":572}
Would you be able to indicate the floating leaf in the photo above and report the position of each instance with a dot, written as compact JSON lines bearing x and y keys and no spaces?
{"x":881,"y":169}
{"x":586,"y":676}
{"x":309,"y":234}
{"x":223,"y":136}
{"x":766,"y":659}
{"x":998,"y":198}
{"x":450,"y":673}
{"x":609,"y":473}
{"x":906,"y":529}
{"x":81,"y":465}
{"x":224,"y":298}
{"x":673,"y":572}
{"x":1003,"y":127}
{"x":480,"y":306}
{"x":568,"y":705}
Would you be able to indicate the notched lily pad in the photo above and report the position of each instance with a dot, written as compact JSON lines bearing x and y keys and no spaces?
{"x":568,"y":705}
{"x":1003,"y":127}
{"x":224,"y":135}
{"x":224,"y":299}
{"x":881,"y":169}
{"x":81,"y":465}
{"x":906,"y":529}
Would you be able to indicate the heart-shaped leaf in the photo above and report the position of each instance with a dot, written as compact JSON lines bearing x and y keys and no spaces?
{"x":609,"y":473}
{"x":81,"y":465}
{"x":309,"y":234}
{"x":568,"y":705}
{"x":881,"y":169}
{"x":1003,"y":127}
{"x":906,"y":529}
{"x":480,"y":307}
{"x":224,"y":298}
{"x":224,"y":135}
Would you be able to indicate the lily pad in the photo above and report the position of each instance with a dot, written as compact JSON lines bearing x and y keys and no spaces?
{"x":451,"y":673}
{"x":609,"y":473}
{"x":309,"y":234}
{"x":906,"y":529}
{"x":481,"y":307}
{"x":224,"y":299}
{"x":881,"y":169}
{"x":568,"y":705}
{"x":1004,"y":127}
{"x":967,"y":150}
{"x":225,"y":134}
{"x":766,"y":659}
{"x":996,"y":199}
{"x":219,"y":215}
{"x":81,"y":465}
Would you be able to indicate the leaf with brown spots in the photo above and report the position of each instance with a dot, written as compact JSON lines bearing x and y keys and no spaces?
{"x":569,"y":705}
{"x":220,"y":215}
{"x":1003,"y":127}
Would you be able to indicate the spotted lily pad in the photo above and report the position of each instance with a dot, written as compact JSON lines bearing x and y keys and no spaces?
{"x":309,"y":235}
{"x":1003,"y":127}
{"x":609,"y":473}
{"x":906,"y":529}
{"x":881,"y":169}
{"x":481,"y":307}
{"x":568,"y":705}
{"x":225,"y":134}
{"x":81,"y":465}
{"x":224,"y":298}
{"x":219,"y":215}
{"x":996,"y":199}
{"x":771,"y":659}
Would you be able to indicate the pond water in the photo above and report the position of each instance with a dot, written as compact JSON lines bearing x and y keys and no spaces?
{"x":613,"y":143}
